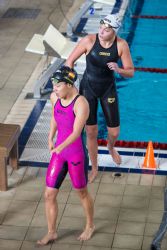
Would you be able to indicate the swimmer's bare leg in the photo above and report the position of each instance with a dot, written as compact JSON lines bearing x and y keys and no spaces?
{"x":92,"y":131}
{"x":87,"y":203}
{"x":112,"y":137}
{"x":51,"y":209}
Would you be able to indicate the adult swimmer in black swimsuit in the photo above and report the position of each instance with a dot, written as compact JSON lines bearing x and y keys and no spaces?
{"x":102,"y":53}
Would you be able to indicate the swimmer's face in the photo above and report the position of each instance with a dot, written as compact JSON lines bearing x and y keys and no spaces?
{"x":105,"y":33}
{"x":61,"y":89}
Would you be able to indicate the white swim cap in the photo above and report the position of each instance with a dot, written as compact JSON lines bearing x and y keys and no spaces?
{"x":112,"y":20}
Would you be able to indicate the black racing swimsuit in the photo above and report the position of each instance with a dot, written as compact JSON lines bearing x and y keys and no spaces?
{"x":98,"y":82}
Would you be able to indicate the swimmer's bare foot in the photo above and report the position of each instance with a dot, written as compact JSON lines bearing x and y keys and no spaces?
{"x":115,"y":155}
{"x":48,"y":238}
{"x":86,"y":234}
{"x":92,"y":176}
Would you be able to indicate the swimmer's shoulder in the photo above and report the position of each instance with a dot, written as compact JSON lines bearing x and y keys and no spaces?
{"x":89,"y":39}
{"x":122,"y":45}
{"x":121,"y":42}
{"x":81,"y":101}
{"x":53,"y":98}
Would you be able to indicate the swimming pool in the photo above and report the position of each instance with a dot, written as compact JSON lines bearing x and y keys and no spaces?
{"x":143,"y":98}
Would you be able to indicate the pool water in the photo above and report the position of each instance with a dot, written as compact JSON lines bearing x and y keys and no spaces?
{"x":143,"y":98}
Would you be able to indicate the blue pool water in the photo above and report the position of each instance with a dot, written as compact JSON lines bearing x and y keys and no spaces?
{"x":143,"y":98}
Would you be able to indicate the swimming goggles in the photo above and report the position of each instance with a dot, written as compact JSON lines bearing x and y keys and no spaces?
{"x":54,"y":81}
{"x":107,"y":25}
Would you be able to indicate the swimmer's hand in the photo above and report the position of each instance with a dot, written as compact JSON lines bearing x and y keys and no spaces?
{"x":113,"y":66}
{"x":50,"y":145}
{"x":57,"y":150}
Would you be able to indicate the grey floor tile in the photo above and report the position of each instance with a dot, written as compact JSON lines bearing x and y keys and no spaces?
{"x":65,"y":247}
{"x":63,"y":197}
{"x":156,"y":204}
{"x":113,"y":248}
{"x":32,"y":172}
{"x":108,"y":200}
{"x":23,"y":78}
{"x":112,"y":189}
{"x":131,"y":228}
{"x":107,"y":178}
{"x":159,"y":180}
{"x":133,"y":179}
{"x":93,"y":187}
{"x":42,"y":174}
{"x":105,"y":226}
{"x":27,"y":195}
{"x":7,"y":195}
{"x":73,"y":223}
{"x":151,"y":229}
{"x":135,"y":202}
{"x":10,"y":244}
{"x":2,"y":216}
{"x":146,"y":179}
{"x":137,"y":215}
{"x":147,"y":242}
{"x":157,"y":192}
{"x":106,"y":213}
{"x":121,"y":180}
{"x":24,"y":207}
{"x":154,"y":216}
{"x":17,"y":219}
{"x":68,"y":236}
{"x":137,"y":190}
{"x":74,"y":198}
{"x":4,"y":205}
{"x":101,"y":240}
{"x":164,"y":244}
{"x":127,"y":241}
{"x":74,"y":210}
{"x":94,"y":248}
{"x":32,"y":183}
{"x":102,"y":226}
{"x":66,"y":186}
{"x":98,"y":178}
{"x":28,"y":245}
{"x":12,"y":232}
{"x":35,"y":233}
{"x":41,"y":208}
{"x":39,"y":220}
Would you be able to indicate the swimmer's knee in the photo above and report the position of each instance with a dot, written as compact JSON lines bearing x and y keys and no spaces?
{"x":113,"y":132}
{"x":83,"y":193}
{"x":50,"y":194}
{"x":92,"y":131}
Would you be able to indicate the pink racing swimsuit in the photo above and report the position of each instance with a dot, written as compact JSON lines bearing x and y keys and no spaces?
{"x":74,"y":157}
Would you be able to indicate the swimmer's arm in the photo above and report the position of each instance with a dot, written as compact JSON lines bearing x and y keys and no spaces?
{"x":78,"y":51}
{"x":128,"y":69}
{"x":81,"y":115}
{"x":53,"y":124}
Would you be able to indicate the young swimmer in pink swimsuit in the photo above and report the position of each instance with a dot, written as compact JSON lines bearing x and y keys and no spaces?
{"x":69,"y":114}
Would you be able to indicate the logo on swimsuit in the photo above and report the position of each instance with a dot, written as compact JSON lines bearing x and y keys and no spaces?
{"x":111,"y":99}
{"x":104,"y":53}
{"x":75,"y":163}
{"x":61,"y":112}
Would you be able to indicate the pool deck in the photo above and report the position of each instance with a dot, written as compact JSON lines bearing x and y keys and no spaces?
{"x":128,"y":209}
